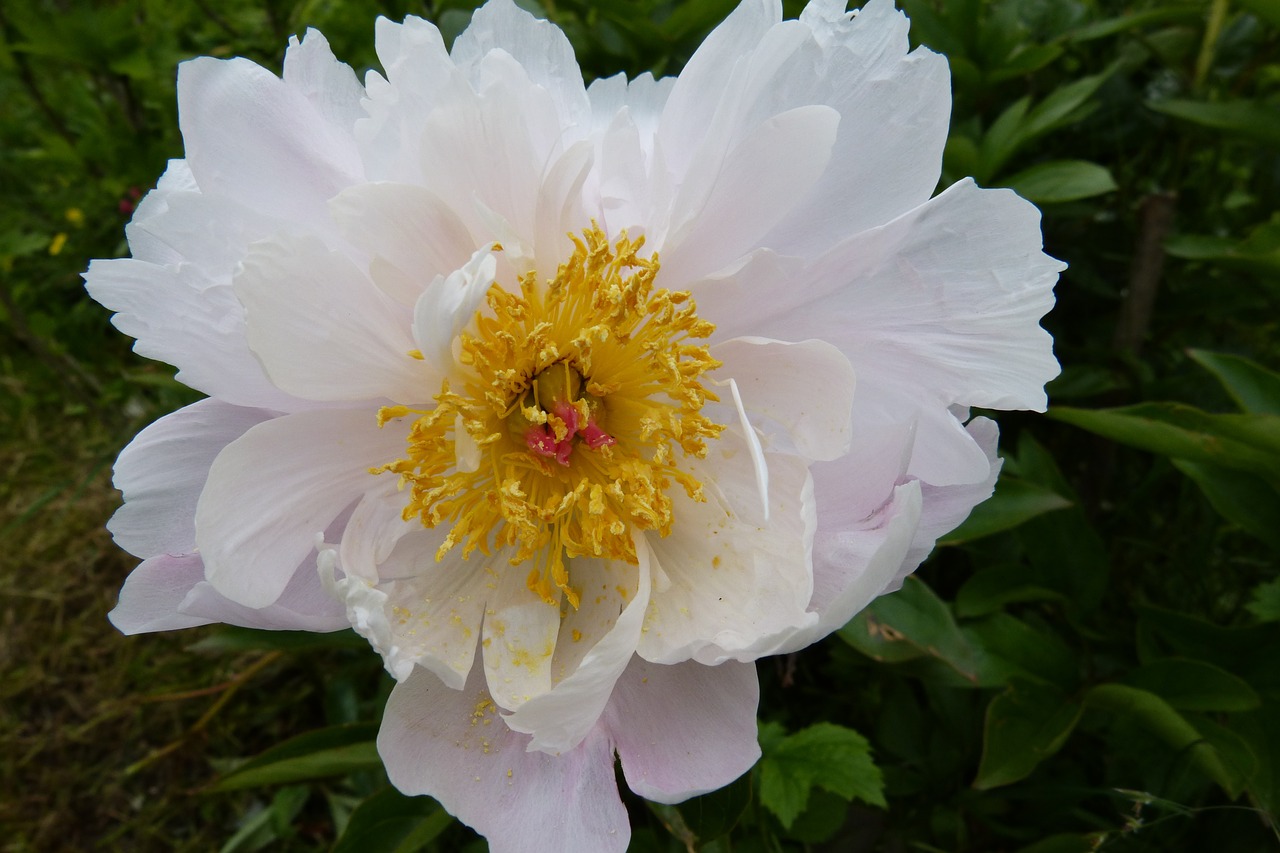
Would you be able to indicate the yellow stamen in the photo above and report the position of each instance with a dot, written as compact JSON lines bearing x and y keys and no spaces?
{"x":603,"y":347}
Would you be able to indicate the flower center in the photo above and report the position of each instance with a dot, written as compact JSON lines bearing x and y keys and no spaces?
{"x":577,"y":396}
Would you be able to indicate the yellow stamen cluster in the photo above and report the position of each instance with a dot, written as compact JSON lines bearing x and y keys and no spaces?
{"x":623,"y":350}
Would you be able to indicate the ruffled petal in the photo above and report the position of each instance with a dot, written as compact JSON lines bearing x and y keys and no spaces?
{"x":322,"y":330}
{"x":273,"y":489}
{"x":253,"y":137}
{"x":163,"y":470}
{"x":152,"y":593}
{"x":684,"y":730}
{"x":727,"y":584}
{"x":453,"y":746}
{"x":601,"y":642}
{"x":799,"y":395}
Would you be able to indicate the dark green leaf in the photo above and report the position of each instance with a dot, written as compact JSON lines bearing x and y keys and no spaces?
{"x":1254,"y":388}
{"x":390,"y":822}
{"x":1193,"y":685}
{"x":1062,"y":180}
{"x":1159,"y":718}
{"x":1014,"y":502}
{"x":1265,"y":601}
{"x":230,"y":638}
{"x":990,"y":589}
{"x":1239,"y":497}
{"x":1253,"y":119}
{"x":1025,"y":724}
{"x":335,"y":751}
{"x":825,"y":755}
{"x":911,"y":623}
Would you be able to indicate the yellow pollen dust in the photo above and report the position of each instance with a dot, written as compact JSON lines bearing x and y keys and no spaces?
{"x":580,"y":394}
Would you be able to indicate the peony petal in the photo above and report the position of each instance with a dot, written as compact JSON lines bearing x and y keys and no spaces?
{"x":323,"y":331}
{"x":153,"y":591}
{"x":684,"y":730}
{"x":801,"y":394}
{"x":448,"y":306}
{"x":311,"y":69}
{"x":518,"y":638}
{"x":163,"y":470}
{"x":538,"y":45}
{"x":852,"y":566}
{"x":411,"y":235}
{"x":273,"y":489}
{"x":252,"y":137}
{"x":562,"y":717}
{"x":737,"y":585}
{"x":453,"y":746}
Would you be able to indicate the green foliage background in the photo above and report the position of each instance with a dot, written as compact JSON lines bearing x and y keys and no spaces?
{"x":1090,"y":662}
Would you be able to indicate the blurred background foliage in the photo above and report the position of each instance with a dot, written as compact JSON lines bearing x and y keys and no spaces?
{"x":1092,"y":662}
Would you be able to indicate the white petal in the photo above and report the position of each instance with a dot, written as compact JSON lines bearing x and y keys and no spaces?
{"x":800,"y":395}
{"x":749,"y":191}
{"x":852,"y":566}
{"x":411,"y":235}
{"x":163,"y":470}
{"x":274,"y":488}
{"x":434,"y":608}
{"x":519,"y":639}
{"x":311,"y":69}
{"x":686,"y":729}
{"x":151,"y":594}
{"x":738,"y":585}
{"x":303,"y":606}
{"x":322,"y":330}
{"x":252,"y":137}
{"x":561,"y":718}
{"x":448,"y":306}
{"x":538,"y":45}
{"x":452,"y":745}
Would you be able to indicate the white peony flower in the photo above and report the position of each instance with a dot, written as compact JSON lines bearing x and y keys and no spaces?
{"x":549,"y":390}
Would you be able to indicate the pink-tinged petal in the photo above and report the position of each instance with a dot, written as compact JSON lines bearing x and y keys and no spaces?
{"x":799,"y":395}
{"x":727,"y":584}
{"x":179,"y":319}
{"x":273,"y":489}
{"x":684,"y":730}
{"x":323,"y":331}
{"x":852,"y":566}
{"x":408,"y":232}
{"x":539,"y":46}
{"x":153,"y":591}
{"x":168,"y":593}
{"x":144,"y":245}
{"x":452,"y":745}
{"x":559,"y":719}
{"x":163,"y":470}
{"x":943,"y":508}
{"x":251,"y":136}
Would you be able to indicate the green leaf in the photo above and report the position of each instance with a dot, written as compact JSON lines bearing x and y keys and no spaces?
{"x":1158,"y":717}
{"x":911,"y":623}
{"x":335,"y":751}
{"x":825,"y":755}
{"x":1123,"y":23}
{"x":1244,"y":442}
{"x":1265,"y":601}
{"x":713,"y":815}
{"x":1014,"y":502}
{"x":390,"y":822}
{"x":1062,"y":180}
{"x":989,"y":590}
{"x":1253,"y":119}
{"x":1193,"y":685}
{"x":1025,"y":724}
{"x":1009,"y":648}
{"x":1239,"y":497}
{"x":1254,"y":388}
